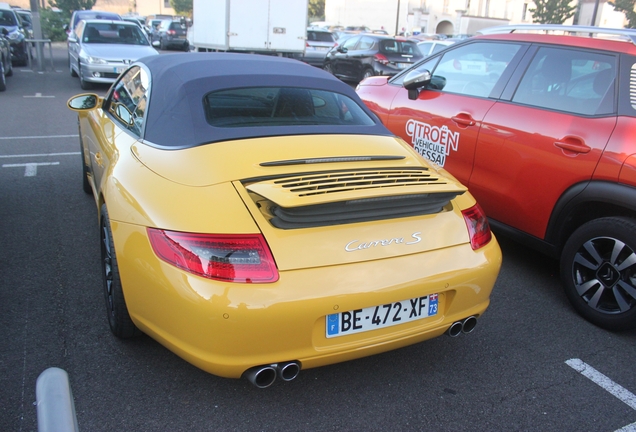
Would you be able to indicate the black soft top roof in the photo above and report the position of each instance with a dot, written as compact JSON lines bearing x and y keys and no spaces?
{"x":175,"y":115}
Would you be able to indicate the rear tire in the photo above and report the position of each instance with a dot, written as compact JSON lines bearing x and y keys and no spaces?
{"x":86,"y":186}
{"x":119,"y":320}
{"x":598,"y":269}
{"x":368,"y":72}
{"x":328,"y":68}
{"x":3,"y":77}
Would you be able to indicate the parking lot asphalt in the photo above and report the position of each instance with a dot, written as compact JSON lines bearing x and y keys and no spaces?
{"x":532,"y":364}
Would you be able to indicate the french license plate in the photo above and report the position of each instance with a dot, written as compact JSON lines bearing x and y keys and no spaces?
{"x":403,"y":65}
{"x":375,"y":317}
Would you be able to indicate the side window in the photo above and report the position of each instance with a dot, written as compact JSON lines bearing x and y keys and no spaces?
{"x":474,"y":69}
{"x":127,"y":100}
{"x":365,"y":43}
{"x":78,"y":31}
{"x":580,"y":82}
{"x":428,"y":65}
{"x":350,"y":43}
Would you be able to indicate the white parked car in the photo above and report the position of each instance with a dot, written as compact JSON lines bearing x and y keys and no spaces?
{"x":99,"y":50}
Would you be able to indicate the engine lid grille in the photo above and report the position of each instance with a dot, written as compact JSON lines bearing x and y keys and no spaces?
{"x":341,"y":197}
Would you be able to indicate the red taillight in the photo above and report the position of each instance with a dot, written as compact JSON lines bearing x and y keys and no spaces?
{"x":478,"y":228}
{"x":171,"y":32}
{"x":228,"y":257}
{"x":380,"y":58}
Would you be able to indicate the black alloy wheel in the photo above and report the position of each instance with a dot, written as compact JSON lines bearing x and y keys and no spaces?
{"x":598,"y":269}
{"x":119,"y":320}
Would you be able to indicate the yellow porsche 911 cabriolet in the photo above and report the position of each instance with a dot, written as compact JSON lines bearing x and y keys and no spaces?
{"x":257,"y":219}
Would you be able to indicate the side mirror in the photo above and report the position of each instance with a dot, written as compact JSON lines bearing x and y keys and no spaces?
{"x":83,"y":102}
{"x":415,"y":80}
{"x":342,"y":49}
{"x":5,"y":32}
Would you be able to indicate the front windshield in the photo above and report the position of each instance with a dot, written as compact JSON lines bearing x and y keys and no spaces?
{"x":110,"y":33}
{"x":282,"y":106}
{"x":7,"y":18}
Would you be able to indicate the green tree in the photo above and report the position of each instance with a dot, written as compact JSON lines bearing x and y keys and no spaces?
{"x":182,"y":7}
{"x":53,"y":25}
{"x":552,"y":11}
{"x":68,"y":6}
{"x":317,"y":9}
{"x":627,"y":7}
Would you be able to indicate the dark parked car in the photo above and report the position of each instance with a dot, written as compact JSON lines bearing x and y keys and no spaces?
{"x":367,"y":55}
{"x":170,"y":34}
{"x":27,"y":21}
{"x":6,"y":69}
{"x":318,"y":44}
{"x":11,"y":22}
{"x":88,"y":15}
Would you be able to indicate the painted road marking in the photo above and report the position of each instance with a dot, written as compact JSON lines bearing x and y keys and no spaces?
{"x":628,"y":428}
{"x":39,"y":137}
{"x":30,"y":169}
{"x":610,"y":386}
{"x":40,"y":155}
{"x":39,"y":95}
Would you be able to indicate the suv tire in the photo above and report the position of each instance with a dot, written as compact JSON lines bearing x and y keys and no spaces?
{"x":598,"y":269}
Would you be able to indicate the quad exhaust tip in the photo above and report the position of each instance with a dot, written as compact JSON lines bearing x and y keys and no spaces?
{"x":264,"y":376}
{"x":464,"y":326}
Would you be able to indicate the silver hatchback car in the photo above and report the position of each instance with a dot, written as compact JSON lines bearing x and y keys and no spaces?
{"x":99,"y":50}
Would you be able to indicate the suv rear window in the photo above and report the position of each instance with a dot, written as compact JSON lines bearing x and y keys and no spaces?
{"x":282,"y":106}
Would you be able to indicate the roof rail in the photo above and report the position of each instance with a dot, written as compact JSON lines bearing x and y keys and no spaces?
{"x":580,"y":30}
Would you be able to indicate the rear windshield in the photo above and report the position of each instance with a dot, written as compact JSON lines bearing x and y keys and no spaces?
{"x":320,"y":36}
{"x":177,"y":26}
{"x":392,"y":46}
{"x":282,"y":106}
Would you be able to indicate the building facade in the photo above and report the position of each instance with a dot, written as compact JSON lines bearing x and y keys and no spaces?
{"x":452,"y":17}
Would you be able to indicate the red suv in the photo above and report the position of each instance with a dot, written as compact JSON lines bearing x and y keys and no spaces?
{"x":542,"y":129}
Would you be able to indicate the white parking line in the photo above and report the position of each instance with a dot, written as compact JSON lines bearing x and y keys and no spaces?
{"x":39,"y":137}
{"x":30,"y":169}
{"x":628,"y":428}
{"x":39,"y":95}
{"x":603,"y":381}
{"x":39,"y":155}
{"x":617,"y":390}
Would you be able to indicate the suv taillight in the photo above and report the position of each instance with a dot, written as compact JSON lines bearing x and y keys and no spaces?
{"x":171,"y":32}
{"x":227,"y":257}
{"x":478,"y":227}
{"x":380,"y":58}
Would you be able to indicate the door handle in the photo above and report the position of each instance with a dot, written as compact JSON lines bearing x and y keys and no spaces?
{"x":463,"y":119}
{"x":98,"y":159}
{"x":573,"y":145}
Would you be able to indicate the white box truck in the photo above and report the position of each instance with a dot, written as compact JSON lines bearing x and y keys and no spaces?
{"x":256,"y":26}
